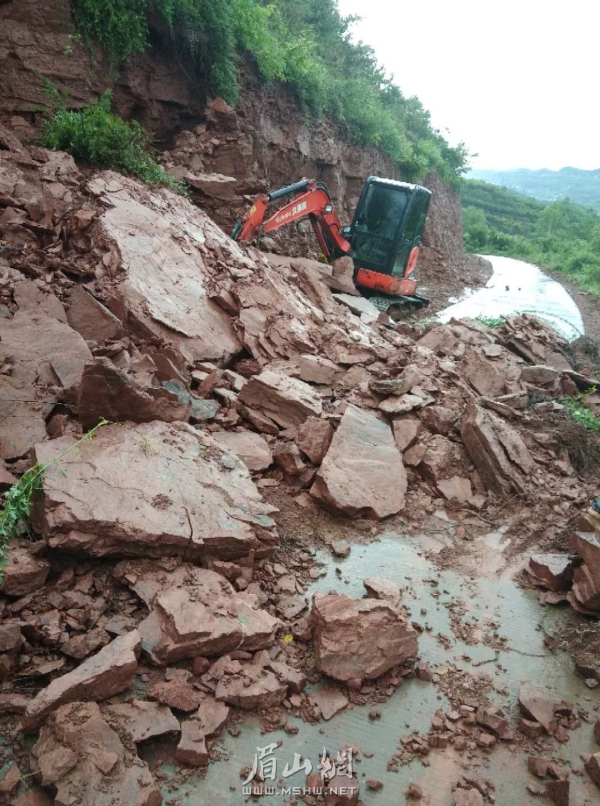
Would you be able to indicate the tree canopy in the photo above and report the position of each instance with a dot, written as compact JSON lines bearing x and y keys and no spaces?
{"x":306,"y":44}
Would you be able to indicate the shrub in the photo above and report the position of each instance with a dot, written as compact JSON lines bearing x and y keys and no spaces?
{"x":94,"y":135}
{"x":305,"y":43}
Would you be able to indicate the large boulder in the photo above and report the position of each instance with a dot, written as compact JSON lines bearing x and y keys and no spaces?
{"x":360,"y":638}
{"x":160,"y":250}
{"x":83,"y":758}
{"x":194,"y":611}
{"x":498,"y":452}
{"x":106,"y":391}
{"x":362,"y":473}
{"x":105,"y":674}
{"x":43,"y":361}
{"x":286,"y":400}
{"x":151,"y":490}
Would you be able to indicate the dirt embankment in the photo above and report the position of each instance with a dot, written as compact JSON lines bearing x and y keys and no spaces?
{"x":225,"y":155}
{"x":255,"y":419}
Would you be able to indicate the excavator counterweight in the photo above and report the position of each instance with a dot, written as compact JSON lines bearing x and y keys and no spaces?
{"x":383,"y":239}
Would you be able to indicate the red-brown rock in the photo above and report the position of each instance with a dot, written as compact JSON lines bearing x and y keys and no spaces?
{"x":47,"y":359}
{"x":314,"y":438}
{"x":498,"y":452}
{"x":103,"y":675}
{"x":24,"y":571}
{"x":253,"y":450}
{"x":80,"y":646}
{"x":142,"y":720}
{"x":90,"y":318}
{"x":191,"y":749}
{"x":106,"y":391}
{"x":406,"y":432}
{"x":287,"y":457}
{"x":156,"y":247}
{"x":552,"y":571}
{"x":362,"y":473}
{"x":94,"y":765}
{"x":537,"y":706}
{"x":194,"y":611}
{"x":360,"y":638}
{"x":186,"y":504}
{"x":592,"y":766}
{"x":286,"y":400}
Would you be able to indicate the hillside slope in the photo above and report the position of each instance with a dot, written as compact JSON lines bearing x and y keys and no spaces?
{"x":561,"y":235}
{"x":581,"y":187}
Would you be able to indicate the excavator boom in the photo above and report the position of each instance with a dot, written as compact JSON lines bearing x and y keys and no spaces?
{"x":311,"y":201}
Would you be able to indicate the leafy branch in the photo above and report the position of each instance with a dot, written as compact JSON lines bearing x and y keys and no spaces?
{"x":18,"y":500}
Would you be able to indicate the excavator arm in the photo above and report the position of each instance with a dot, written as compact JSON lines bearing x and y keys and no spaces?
{"x":311,"y":200}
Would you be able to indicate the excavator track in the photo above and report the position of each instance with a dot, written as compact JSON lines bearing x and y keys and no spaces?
{"x":398,"y":307}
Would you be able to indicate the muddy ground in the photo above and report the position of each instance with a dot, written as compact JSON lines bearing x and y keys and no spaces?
{"x":306,"y":527}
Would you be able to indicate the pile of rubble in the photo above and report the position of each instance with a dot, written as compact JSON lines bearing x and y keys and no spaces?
{"x":225,"y":374}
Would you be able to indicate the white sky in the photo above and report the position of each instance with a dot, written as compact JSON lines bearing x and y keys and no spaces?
{"x":517,"y":80}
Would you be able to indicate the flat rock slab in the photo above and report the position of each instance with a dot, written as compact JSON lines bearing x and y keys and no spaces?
{"x":362,"y":473}
{"x":194,"y":611}
{"x":329,"y":700}
{"x":253,"y":450}
{"x":159,"y":250}
{"x":360,"y":306}
{"x":90,"y":318}
{"x":141,"y":719}
{"x":24,"y":572}
{"x":285,"y":400}
{"x":498,"y":452}
{"x":360,"y":638}
{"x":107,"y":673}
{"x":151,"y":490}
{"x":259,"y":683}
{"x":80,"y":755}
{"x":47,"y":359}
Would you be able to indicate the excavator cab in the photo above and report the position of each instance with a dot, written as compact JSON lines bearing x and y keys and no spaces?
{"x":385,"y":237}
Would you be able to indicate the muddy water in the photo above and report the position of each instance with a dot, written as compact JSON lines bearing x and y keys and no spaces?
{"x":517,"y":287}
{"x":488,"y":601}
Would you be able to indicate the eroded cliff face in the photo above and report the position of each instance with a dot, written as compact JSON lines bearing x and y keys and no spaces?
{"x":265,"y":143}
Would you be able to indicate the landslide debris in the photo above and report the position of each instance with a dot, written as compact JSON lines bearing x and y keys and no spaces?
{"x":234,"y":379}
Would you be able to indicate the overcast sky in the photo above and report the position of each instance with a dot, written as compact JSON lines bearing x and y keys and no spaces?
{"x":517,"y":80}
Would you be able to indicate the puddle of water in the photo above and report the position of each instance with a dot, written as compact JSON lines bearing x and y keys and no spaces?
{"x":518,"y":287}
{"x":411,"y":707}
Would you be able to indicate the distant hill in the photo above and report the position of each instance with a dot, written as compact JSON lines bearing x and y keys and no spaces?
{"x":558,"y":235}
{"x":582,"y":187}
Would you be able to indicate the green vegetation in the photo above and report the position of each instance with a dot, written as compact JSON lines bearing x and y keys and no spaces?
{"x":491,"y":321}
{"x":561,"y":235}
{"x":95,"y":136}
{"x":18,"y":500}
{"x":580,"y":413}
{"x":582,"y":187}
{"x":303,"y":43}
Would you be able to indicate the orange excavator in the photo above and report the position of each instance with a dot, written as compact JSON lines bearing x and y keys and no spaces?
{"x":383,"y":239}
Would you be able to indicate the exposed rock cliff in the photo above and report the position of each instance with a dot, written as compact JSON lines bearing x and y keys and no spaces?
{"x":265,"y":142}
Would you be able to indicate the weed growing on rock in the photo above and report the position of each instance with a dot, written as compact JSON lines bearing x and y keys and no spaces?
{"x":580,"y":413}
{"x":18,"y":500}
{"x":491,"y":321}
{"x":95,"y":136}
